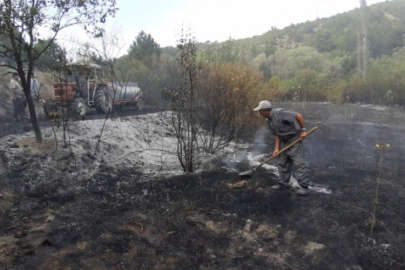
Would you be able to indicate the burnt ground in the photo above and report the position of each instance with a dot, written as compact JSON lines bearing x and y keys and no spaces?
{"x":208,"y":221}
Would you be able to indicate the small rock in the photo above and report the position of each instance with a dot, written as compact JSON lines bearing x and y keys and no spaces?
{"x":290,"y":236}
{"x":217,"y":227}
{"x":248,"y":225}
{"x":260,"y":190}
{"x":246,"y":232}
{"x":210,"y":251}
{"x":63,"y":155}
{"x":239,"y":184}
{"x":312,"y":247}
{"x":50,"y":218}
{"x":267,"y":232}
{"x":20,"y":234}
{"x":82,"y":245}
{"x":385,"y":246}
{"x":14,"y":145}
{"x":106,"y":236}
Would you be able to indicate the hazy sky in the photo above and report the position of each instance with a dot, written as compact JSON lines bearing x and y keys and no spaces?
{"x":213,"y":20}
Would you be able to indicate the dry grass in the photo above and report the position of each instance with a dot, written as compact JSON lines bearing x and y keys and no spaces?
{"x":32,"y":146}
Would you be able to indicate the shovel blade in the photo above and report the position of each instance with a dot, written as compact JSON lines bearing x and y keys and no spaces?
{"x":246,"y":174}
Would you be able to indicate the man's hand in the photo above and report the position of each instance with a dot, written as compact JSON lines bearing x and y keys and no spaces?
{"x":300,"y":120}
{"x":276,"y":152}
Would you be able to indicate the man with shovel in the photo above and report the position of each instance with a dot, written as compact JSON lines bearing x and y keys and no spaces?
{"x":286,"y":127}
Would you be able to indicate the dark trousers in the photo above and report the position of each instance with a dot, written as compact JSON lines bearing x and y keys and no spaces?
{"x":292,"y":162}
{"x":19,"y":105}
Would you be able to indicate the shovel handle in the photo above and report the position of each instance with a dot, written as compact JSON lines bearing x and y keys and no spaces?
{"x":284,"y":149}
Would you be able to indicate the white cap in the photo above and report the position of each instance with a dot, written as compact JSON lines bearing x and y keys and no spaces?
{"x":263,"y":105}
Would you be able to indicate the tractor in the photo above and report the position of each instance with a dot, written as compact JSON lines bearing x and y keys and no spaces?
{"x":79,"y":90}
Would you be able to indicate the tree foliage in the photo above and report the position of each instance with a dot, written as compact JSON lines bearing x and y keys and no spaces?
{"x":319,"y":60}
{"x":146,"y":65}
{"x":53,"y":58}
{"x":145,"y":49}
{"x":226,"y":95}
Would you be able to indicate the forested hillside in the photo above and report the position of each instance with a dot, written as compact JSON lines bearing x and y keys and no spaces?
{"x":318,"y":60}
{"x":335,"y":36}
{"x":357,"y":56}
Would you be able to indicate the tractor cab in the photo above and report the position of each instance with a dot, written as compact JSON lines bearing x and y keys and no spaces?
{"x":81,"y":85}
{"x":81,"y":88}
{"x":78,"y":80}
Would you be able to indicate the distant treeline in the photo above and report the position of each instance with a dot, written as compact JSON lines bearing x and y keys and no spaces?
{"x":312,"y":61}
{"x":318,"y":60}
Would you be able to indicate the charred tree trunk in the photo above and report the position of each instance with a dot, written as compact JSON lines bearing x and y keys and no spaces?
{"x":33,"y":116}
{"x":19,"y":50}
{"x":25,"y":79}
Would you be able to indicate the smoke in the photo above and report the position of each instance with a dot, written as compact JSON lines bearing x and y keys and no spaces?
{"x":347,"y":138}
{"x":261,"y":140}
{"x":242,"y":157}
{"x":348,"y":134}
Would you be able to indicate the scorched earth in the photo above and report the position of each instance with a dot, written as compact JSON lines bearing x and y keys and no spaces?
{"x":128,"y":205}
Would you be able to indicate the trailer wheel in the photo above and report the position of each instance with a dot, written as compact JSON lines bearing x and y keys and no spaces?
{"x":103,"y":99}
{"x":79,"y":107}
{"x":50,"y":109}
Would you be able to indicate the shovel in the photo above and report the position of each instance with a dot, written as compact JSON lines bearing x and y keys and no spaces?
{"x":248,"y":174}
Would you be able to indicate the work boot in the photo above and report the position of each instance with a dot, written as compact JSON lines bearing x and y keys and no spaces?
{"x":300,"y":191}
{"x":280,"y":185}
{"x":305,"y":185}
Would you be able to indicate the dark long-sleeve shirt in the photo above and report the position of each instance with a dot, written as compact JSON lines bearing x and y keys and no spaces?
{"x":284,"y":124}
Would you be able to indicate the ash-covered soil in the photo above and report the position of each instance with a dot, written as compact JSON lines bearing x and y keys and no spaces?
{"x":56,"y":214}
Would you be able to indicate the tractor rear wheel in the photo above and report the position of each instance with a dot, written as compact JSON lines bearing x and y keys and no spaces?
{"x":50,"y":109}
{"x":79,"y":107}
{"x":103,"y":99}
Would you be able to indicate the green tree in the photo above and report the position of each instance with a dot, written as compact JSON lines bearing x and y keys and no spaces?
{"x":145,"y":49}
{"x":145,"y":65}
{"x":53,"y":58}
{"x":265,"y":68}
{"x":270,"y":47}
{"x":306,"y":85}
{"x":324,"y":41}
{"x":287,"y":61}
